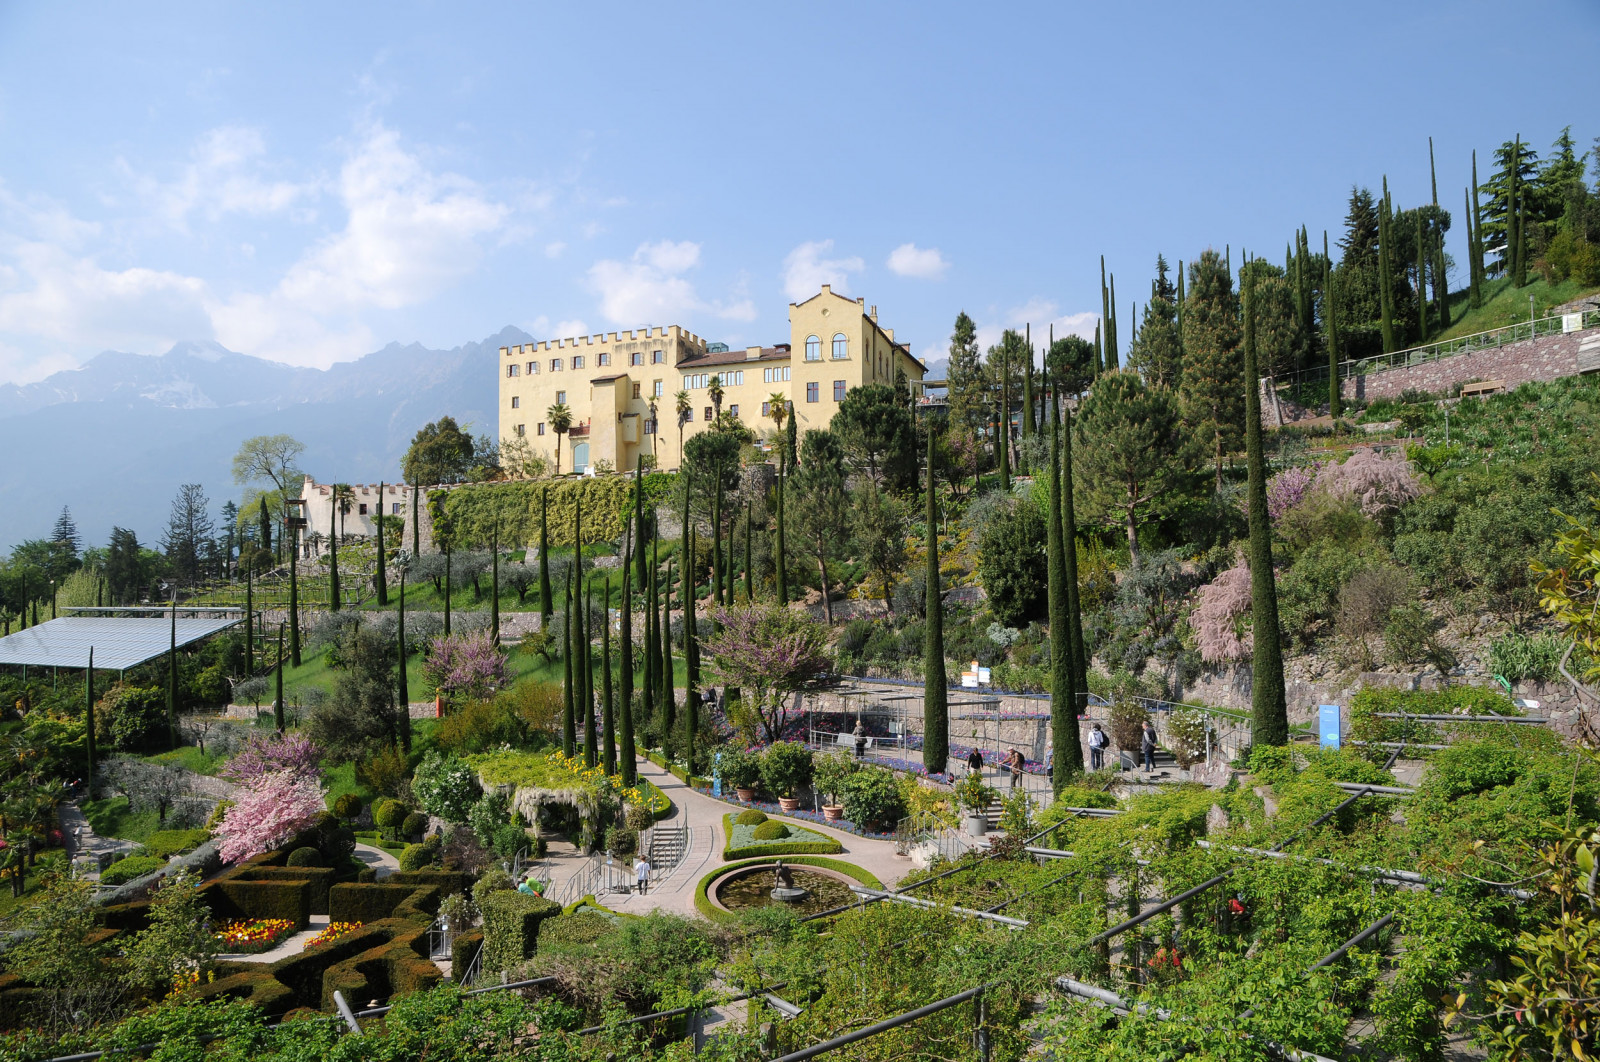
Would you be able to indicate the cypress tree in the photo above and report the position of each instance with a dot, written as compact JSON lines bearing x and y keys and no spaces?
{"x":1522,"y":237}
{"x":1069,"y":547}
{"x":1331,"y":322}
{"x":749,"y":577}
{"x":546,"y":605}
{"x":685,"y":564}
{"x":249,"y":624}
{"x":935,"y":698}
{"x":779,"y":561}
{"x":627,"y":752}
{"x":1268,"y":707}
{"x":666,"y":709}
{"x":691,"y":654}
{"x":494,"y":580}
{"x":1063,"y":681}
{"x":1113,"y":362}
{"x":608,"y":721}
{"x":172,"y":673}
{"x":400,"y":637}
{"x":416,"y":527}
{"x":569,"y":708}
{"x":294,"y":597}
{"x":1441,"y":281}
{"x":447,"y":588}
{"x":791,"y":431}
{"x":277,"y":701}
{"x":591,"y":748}
{"x":1099,"y":358}
{"x":1514,"y":217}
{"x":1179,"y":320}
{"x":638,"y":523}
{"x":1475,"y":213}
{"x":88,"y":721}
{"x":1027,"y":387}
{"x":383,"y":582}
{"x":1003,"y":436}
{"x":1422,"y":283}
{"x":716,"y":540}
{"x":334,"y":603}
{"x":1474,"y":257}
{"x":651,"y":641}
{"x":1385,"y":275}
{"x":1103,"y":338}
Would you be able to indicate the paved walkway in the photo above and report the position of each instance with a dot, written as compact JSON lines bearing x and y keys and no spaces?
{"x":81,"y":842}
{"x":383,"y":862}
{"x":293,"y":944}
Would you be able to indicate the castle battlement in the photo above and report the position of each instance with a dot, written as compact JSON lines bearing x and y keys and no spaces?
{"x":637,"y":335}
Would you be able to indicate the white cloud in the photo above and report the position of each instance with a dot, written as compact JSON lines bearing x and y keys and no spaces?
{"x":1041,"y":315}
{"x":923,"y":263}
{"x":220,"y":178}
{"x":805,"y":270}
{"x":554,"y":248}
{"x":650,"y":287}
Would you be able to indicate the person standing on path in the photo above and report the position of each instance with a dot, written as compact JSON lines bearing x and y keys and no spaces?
{"x":1097,"y":748}
{"x":1015,"y":761}
{"x":1147,"y":745}
{"x":975,"y":762}
{"x":641,"y":873}
{"x":860,"y":733}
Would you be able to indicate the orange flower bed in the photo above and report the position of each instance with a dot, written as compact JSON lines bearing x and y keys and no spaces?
{"x":334,"y":931}
{"x":254,"y":935}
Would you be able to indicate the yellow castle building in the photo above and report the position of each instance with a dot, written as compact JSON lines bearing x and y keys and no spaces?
{"x":620,"y":389}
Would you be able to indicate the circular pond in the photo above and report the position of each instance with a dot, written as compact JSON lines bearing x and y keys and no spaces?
{"x":752,"y":887}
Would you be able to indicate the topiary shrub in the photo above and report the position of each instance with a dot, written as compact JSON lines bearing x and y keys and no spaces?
{"x":414,"y":825}
{"x":415,"y":857}
{"x":346,"y":806}
{"x":752,"y":817}
{"x":389,"y":814}
{"x":621,"y":841}
{"x":125,"y":870}
{"x":770,"y":831}
{"x":511,"y":927}
{"x":338,"y":843}
{"x":305,"y":857}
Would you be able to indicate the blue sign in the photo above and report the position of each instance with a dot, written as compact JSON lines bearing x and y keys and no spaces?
{"x":716,"y":775}
{"x":1329,"y":725}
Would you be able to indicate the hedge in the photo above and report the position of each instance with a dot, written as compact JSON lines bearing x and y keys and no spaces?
{"x":231,"y":898}
{"x":372,"y":903}
{"x":125,"y":870}
{"x":677,"y":772}
{"x":823,"y":845}
{"x":707,"y":909}
{"x":321,"y":879}
{"x":584,"y":926}
{"x":463,"y":949}
{"x":397,"y":969}
{"x":511,"y":927}
{"x":164,"y":844}
{"x":448,"y":881}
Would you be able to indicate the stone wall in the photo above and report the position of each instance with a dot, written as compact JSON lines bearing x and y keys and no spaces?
{"x":1545,"y":358}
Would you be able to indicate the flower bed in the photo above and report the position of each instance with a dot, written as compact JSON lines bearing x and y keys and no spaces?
{"x":334,"y":931}
{"x":742,"y":843}
{"x":253,"y":935}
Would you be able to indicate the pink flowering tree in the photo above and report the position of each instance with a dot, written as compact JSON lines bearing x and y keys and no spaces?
{"x":770,"y":653}
{"x":1288,"y":489}
{"x":1219,"y":615}
{"x":295,"y":754}
{"x":1380,"y":484}
{"x":465,"y":666}
{"x":273,"y":809}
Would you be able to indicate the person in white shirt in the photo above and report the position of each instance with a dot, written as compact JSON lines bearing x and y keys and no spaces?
{"x":641,"y":872}
{"x":1097,"y":748}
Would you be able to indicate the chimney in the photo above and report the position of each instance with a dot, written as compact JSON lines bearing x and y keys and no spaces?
{"x":752,"y":353}
{"x":890,"y":331}
{"x":827,"y":289}
{"x":874,"y":315}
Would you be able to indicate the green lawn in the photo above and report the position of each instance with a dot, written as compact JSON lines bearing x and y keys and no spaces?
{"x":114,"y":818}
{"x":190,"y":758}
{"x":1504,"y":304}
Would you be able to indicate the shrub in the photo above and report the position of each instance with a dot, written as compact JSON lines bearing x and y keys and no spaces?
{"x":383,"y":770}
{"x":1127,"y":723}
{"x":832,"y":770}
{"x":132,"y":717}
{"x":524,"y":715}
{"x":389,"y":814}
{"x":771,"y":830}
{"x":167,"y":843}
{"x":1527,"y":656}
{"x":495,"y":879}
{"x":1380,"y":484}
{"x":1411,"y":635}
{"x":414,"y":824}
{"x":972,"y":795}
{"x":445,"y":786}
{"x":872,"y":797}
{"x":346,"y":806}
{"x":337,"y":842}
{"x":621,"y":841}
{"x":751,"y":817}
{"x":214,"y":819}
{"x":304,"y":857}
{"x":1011,"y":563}
{"x":740,"y":769}
{"x":511,"y":927}
{"x":1186,"y":736}
{"x":785,"y":768}
{"x":1364,"y":607}
{"x":1219,"y":614}
{"x":416,"y":856}
{"x":578,"y":928}
{"x":125,"y":870}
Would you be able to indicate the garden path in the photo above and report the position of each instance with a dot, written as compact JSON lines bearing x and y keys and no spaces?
{"x":293,"y":944}
{"x":81,"y":842}
{"x":383,"y":862}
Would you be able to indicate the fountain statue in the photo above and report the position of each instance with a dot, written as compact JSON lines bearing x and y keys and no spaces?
{"x":783,"y":886}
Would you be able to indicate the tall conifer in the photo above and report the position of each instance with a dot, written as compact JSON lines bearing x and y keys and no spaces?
{"x":591,"y":747}
{"x":382,"y":581}
{"x":1441,"y":280}
{"x":546,"y":605}
{"x":626,"y":752}
{"x":1475,"y":211}
{"x":1514,"y":216}
{"x":1475,"y":295}
{"x":1113,"y":359}
{"x":638,"y":524}
{"x":1330,"y":321}
{"x":1422,"y":281}
{"x":1003,"y":425}
{"x":1069,"y":547}
{"x":608,"y":718}
{"x":1268,"y":707}
{"x":935,"y":698}
{"x":1385,"y":269}
{"x":667,"y":707}
{"x":691,"y":653}
{"x":569,"y":707}
{"x":1063,"y":661}
{"x":780,"y":563}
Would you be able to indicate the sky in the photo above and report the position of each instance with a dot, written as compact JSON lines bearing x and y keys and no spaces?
{"x":308,"y":182}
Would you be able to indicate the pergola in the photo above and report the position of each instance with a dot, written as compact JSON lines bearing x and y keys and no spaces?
{"x":119,"y":637}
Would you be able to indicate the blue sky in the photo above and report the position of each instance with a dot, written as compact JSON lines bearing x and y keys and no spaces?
{"x":309,"y":182}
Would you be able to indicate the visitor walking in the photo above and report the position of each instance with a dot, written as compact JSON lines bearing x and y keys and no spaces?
{"x":1147,"y":745}
{"x":641,"y":873}
{"x":1097,"y":748}
{"x":860,"y":733}
{"x":975,"y":762}
{"x":1015,"y":762}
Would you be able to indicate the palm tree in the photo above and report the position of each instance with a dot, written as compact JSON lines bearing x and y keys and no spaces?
{"x":685,"y":411}
{"x":714,"y":392}
{"x":560,"y":418}
{"x":778,"y":410}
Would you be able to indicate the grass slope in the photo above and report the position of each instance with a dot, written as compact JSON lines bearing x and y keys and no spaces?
{"x":1504,"y":304}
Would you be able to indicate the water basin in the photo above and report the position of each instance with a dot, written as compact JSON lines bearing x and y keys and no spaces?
{"x":825,"y":890}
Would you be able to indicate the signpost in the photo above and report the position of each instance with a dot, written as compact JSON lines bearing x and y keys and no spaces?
{"x":1328,"y":725}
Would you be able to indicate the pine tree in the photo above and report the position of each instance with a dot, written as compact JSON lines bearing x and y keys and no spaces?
{"x":1212,"y":374}
{"x":935,"y":698}
{"x":968,"y":401}
{"x":546,"y":605}
{"x":627,"y":752}
{"x":64,"y":536}
{"x":1269,"y":710}
{"x":1180,"y":297}
{"x":1157,"y":352}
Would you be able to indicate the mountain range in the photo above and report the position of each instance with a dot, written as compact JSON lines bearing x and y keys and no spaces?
{"x":114,"y":439}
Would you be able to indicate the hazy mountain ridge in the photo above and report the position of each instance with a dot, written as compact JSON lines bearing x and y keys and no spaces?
{"x":113,"y":440}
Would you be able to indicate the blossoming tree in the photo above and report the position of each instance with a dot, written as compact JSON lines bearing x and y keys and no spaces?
{"x":466,"y":666}
{"x":770,"y":653}
{"x":295,"y":754}
{"x":275,"y":807}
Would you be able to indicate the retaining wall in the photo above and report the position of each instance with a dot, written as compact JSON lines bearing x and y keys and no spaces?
{"x":1545,"y":358}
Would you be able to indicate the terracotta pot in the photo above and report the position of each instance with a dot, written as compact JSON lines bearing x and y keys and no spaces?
{"x":789,"y":803}
{"x":833,"y":812}
{"x":745,"y":795}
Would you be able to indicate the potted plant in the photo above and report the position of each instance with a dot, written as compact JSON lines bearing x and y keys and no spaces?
{"x":829,"y":776}
{"x":742,"y":771}
{"x":785,"y":770}
{"x":975,"y":798}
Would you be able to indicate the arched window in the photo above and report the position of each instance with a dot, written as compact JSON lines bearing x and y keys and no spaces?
{"x":841,"y":347}
{"x":813,"y":348}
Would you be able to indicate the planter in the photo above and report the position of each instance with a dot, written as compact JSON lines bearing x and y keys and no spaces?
{"x":746,"y":796}
{"x":833,"y":812}
{"x":977,"y":824}
{"x":789,"y":803}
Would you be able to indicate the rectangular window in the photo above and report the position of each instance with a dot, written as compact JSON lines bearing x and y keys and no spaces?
{"x":394,"y":507}
{"x":838,"y":390}
{"x":649,"y":427}
{"x":734,"y":409}
{"x":555,"y":364}
{"x":657,"y":390}
{"x":766,"y":409}
{"x":708,"y":420}
{"x":511,"y":370}
{"x":658,"y":358}
{"x":522,"y":429}
{"x":604,"y":359}
{"x":541,"y":427}
{"x":533,"y":367}
{"x":811,"y":391}
{"x":766,"y":375}
{"x":688,"y":415}
{"x":636,"y":358}
{"x":561,"y":400}
{"x":363,"y":512}
{"x":516,"y":401}
{"x":577,"y":361}
{"x":636,"y":389}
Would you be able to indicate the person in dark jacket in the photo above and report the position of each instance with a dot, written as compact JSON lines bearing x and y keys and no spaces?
{"x":1147,"y":746}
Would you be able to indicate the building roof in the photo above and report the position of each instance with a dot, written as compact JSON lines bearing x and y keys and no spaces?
{"x":613,"y":378}
{"x":780,"y":352}
{"x":121,"y":637}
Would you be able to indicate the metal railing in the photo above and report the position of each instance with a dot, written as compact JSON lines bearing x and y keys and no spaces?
{"x":602,"y":873}
{"x":1493,"y":339}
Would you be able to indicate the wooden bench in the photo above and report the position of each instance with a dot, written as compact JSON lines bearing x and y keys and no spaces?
{"x":1482,"y":387}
